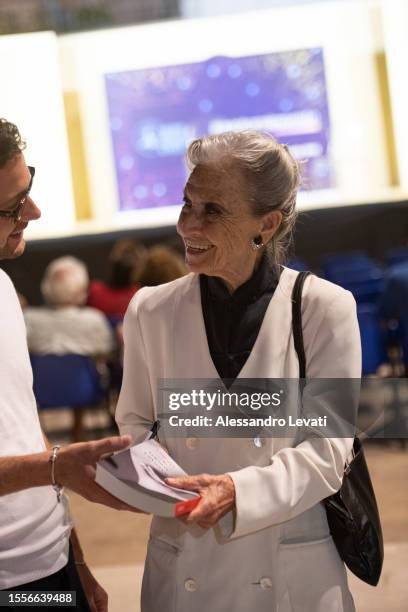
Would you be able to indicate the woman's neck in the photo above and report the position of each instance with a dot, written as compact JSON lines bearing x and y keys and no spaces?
{"x":233,"y":283}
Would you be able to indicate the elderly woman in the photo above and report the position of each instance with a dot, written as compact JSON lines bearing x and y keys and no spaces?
{"x":231,"y":317}
{"x":66,"y":325}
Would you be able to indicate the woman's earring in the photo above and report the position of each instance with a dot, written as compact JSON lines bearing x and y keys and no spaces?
{"x":256,"y":243}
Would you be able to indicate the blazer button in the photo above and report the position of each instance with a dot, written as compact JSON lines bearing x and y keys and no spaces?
{"x":265,"y":582}
{"x":258,"y":442}
{"x":191,"y":443}
{"x":190,"y":585}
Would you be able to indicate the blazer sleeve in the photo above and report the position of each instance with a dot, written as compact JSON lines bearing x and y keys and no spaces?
{"x":134,"y":411}
{"x":301,"y":476}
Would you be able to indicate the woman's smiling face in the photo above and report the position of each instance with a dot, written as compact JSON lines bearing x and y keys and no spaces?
{"x":217,"y":225}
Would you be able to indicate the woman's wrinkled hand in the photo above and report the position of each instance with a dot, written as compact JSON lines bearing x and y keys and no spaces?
{"x":217,"y":497}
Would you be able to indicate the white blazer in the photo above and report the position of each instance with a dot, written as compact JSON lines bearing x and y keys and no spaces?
{"x":280,"y":556}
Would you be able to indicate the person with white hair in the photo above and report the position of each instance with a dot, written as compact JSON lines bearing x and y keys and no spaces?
{"x":66,"y":325}
{"x":258,"y":538}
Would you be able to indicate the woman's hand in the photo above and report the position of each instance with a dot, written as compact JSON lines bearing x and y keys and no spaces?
{"x":217,"y":497}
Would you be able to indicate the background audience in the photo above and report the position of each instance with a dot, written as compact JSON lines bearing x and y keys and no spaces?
{"x":113,"y":295}
{"x":66,"y":325}
{"x":163,"y":264}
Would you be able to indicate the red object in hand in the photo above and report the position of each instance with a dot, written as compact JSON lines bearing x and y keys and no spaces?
{"x":186,"y":506}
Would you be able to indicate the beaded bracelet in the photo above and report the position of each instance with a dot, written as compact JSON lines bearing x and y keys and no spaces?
{"x":57,"y":488}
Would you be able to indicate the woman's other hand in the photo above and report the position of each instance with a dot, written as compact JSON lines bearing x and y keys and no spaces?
{"x":217,"y":497}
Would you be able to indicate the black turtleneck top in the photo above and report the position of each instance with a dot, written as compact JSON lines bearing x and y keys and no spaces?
{"x":233,"y":321}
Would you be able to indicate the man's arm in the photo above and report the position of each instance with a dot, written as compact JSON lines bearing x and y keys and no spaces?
{"x":95,"y":594}
{"x":17,"y":473}
{"x":74,"y":469}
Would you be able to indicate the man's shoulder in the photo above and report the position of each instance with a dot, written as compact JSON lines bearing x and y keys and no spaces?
{"x":6,"y":287}
{"x":5,"y":280}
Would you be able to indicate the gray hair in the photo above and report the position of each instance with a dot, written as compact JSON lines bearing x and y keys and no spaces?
{"x":65,"y":282}
{"x":270,"y":171}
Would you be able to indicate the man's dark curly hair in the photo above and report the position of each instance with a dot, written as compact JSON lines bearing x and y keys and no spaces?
{"x":11,"y":143}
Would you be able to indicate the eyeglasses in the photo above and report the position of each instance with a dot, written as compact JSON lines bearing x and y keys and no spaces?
{"x":17,"y":212}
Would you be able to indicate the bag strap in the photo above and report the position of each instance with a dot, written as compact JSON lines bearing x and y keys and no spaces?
{"x":300,"y":348}
{"x":297,"y":321}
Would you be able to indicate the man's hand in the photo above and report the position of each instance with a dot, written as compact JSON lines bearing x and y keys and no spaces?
{"x":97,"y":596}
{"x":75,"y":469}
{"x":217,"y":497}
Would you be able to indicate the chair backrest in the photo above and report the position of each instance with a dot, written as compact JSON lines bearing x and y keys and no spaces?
{"x":296,"y":263}
{"x":372,"y":338}
{"x":369,"y":290}
{"x":66,"y":380}
{"x":394,"y":305}
{"x":366,"y":282}
{"x":396,"y":255}
{"x":338,"y":261}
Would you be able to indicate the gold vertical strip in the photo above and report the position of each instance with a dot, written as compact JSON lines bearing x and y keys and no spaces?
{"x":82,"y":198}
{"x":385,"y":97}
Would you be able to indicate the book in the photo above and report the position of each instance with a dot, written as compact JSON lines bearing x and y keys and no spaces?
{"x":136,"y":477}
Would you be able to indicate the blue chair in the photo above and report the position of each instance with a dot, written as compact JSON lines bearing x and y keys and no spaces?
{"x":372,"y":338}
{"x":396,"y":255}
{"x":358,"y":268}
{"x":356,"y":272}
{"x":67,"y":381}
{"x":334,"y":262}
{"x":114,"y":321}
{"x":394,"y":305}
{"x":367,"y":285}
{"x":344,"y":257}
{"x":296,"y":263}
{"x":366,"y":291}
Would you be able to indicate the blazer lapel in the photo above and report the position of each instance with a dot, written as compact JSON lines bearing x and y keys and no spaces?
{"x":268,"y":358}
{"x":192,"y":357}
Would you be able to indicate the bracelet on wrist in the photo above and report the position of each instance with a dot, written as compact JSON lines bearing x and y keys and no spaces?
{"x":53,"y":458}
{"x":80,"y":562}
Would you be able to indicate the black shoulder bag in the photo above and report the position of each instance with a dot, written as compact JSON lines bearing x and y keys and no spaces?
{"x":352,"y":512}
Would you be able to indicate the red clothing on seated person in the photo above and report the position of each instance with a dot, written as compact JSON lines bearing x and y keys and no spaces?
{"x":113,"y":302}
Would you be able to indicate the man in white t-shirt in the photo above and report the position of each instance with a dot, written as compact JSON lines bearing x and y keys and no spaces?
{"x":39,"y":551}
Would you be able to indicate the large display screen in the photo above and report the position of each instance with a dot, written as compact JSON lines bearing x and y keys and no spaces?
{"x":156,"y":112}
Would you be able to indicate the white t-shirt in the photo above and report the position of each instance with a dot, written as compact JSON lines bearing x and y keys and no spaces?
{"x":34,"y":527}
{"x":83,"y":331}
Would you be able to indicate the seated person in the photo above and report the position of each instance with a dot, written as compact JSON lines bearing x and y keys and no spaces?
{"x":113,"y":296}
{"x":163,"y":264}
{"x":65,"y":325}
